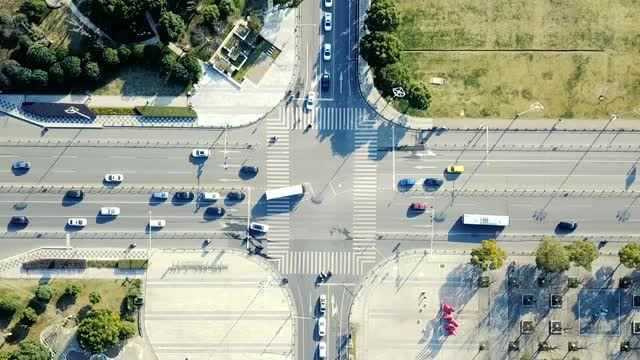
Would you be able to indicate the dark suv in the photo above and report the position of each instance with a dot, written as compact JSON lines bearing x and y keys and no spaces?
{"x":249,"y":169}
{"x":236,"y":195}
{"x":567,"y":226}
{"x":185,"y":195}
{"x":75,"y":194}
{"x":325,"y":81}
{"x":19,"y":221}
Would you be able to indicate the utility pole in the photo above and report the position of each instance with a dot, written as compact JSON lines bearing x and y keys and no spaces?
{"x":149,"y":241}
{"x":393,"y":155}
{"x":433,"y":230}
{"x":226,"y":139}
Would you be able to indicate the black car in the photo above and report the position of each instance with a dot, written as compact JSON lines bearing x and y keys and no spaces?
{"x":433,"y":183}
{"x":325,"y":81}
{"x":185,"y":195}
{"x":19,"y":220}
{"x":75,"y":194}
{"x":236,"y":195}
{"x":249,"y":169}
{"x":214,"y":211}
{"x":567,"y":225}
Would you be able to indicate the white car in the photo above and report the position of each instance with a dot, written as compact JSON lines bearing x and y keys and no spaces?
{"x":113,"y":178}
{"x":322,"y":326}
{"x":311,"y":101}
{"x":160,"y":195}
{"x":328,"y":21}
{"x":200,"y":153}
{"x":157,"y":223}
{"x":209,"y":196}
{"x":110,"y":211}
{"x":77,"y":222}
{"x":328,"y":3}
{"x":322,"y":350}
{"x":263,"y":228}
{"x":326,"y":52}
{"x":323,"y":303}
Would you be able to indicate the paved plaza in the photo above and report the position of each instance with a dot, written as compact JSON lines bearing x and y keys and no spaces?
{"x":217,"y":304}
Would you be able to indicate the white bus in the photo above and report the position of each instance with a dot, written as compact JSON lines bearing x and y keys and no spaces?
{"x":284,"y":192}
{"x":490,"y":220}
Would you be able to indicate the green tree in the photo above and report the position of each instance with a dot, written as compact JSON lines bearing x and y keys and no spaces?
{"x":40,"y":56}
{"x":110,"y":57}
{"x":180,"y":74}
{"x":9,"y":304}
{"x":44,"y":293}
{"x":124,"y":54}
{"x":168,"y":63}
{"x":226,"y":9}
{"x":170,"y":27}
{"x":418,"y":95}
{"x":72,"y":290}
{"x":99,"y":330}
{"x":29,"y":316}
{"x":152,"y":54}
{"x":30,"y":350}
{"x":35,"y":10}
{"x":61,"y":53}
{"x":5,"y":83}
{"x":137,"y":53}
{"x":210,"y":14}
{"x":389,"y":77}
{"x":582,"y":253}
{"x":551,"y":256}
{"x":21,"y":78}
{"x":127,"y":330}
{"x":489,"y":256}
{"x":191,"y":63}
{"x":95,"y":297}
{"x":91,"y":71}
{"x":56,"y":74}
{"x":380,"y":49}
{"x":383,"y":15}
{"x":630,"y":256}
{"x":39,"y":79}
{"x":72,"y":67}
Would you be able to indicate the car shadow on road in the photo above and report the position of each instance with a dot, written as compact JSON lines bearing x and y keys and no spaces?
{"x":70,"y":201}
{"x":104,"y":219}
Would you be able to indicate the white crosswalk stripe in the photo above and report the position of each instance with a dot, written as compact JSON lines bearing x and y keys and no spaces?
{"x":364,"y":194}
{"x":278,"y":171}
{"x":313,"y":262}
{"x":323,"y":118}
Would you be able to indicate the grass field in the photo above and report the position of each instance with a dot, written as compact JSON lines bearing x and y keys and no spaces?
{"x":111,"y":291}
{"x":138,"y":81}
{"x":578,"y":59}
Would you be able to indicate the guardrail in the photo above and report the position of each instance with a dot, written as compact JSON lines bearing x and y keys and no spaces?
{"x":100,"y":189}
{"x":164,"y":144}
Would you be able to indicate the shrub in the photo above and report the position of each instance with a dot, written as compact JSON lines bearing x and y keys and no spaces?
{"x":389,"y":77}
{"x":418,"y":95}
{"x":35,"y":10}
{"x":9,"y":304}
{"x":383,"y":15}
{"x":124,"y":54}
{"x":380,"y":49}
{"x":44,"y":293}
{"x":226,"y":8}
{"x":39,"y":79}
{"x":152,"y":54}
{"x":40,"y":56}
{"x":127,"y":330}
{"x":72,"y":290}
{"x":137,"y":53}
{"x":29,"y":316}
{"x":110,"y":57}
{"x":170,"y":27}
{"x":210,"y":14}
{"x":99,"y":330}
{"x":61,"y":53}
{"x":56,"y":74}
{"x":192,"y":65}
{"x":30,"y":350}
{"x":91,"y":71}
{"x":168,"y":63}
{"x":72,"y":67}
{"x":180,"y":74}
{"x":95,"y":297}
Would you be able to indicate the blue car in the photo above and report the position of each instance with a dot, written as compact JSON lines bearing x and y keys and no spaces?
{"x":21,"y":165}
{"x":407,"y":183}
{"x":433,"y":183}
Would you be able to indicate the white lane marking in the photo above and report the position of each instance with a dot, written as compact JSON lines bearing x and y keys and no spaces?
{"x":63,"y":171}
{"x":179,"y":172}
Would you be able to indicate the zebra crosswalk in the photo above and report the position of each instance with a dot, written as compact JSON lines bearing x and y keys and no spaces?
{"x":364,"y":193}
{"x":322,"y":118}
{"x":278,"y":171}
{"x":313,"y":262}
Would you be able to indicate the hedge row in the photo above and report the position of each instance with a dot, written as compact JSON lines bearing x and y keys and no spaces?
{"x":166,"y":111}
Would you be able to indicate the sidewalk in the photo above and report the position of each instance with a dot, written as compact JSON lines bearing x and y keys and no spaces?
{"x":218,"y":102}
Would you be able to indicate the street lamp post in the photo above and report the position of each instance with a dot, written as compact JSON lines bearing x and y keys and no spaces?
{"x":149,"y":231}
{"x":398,"y":93}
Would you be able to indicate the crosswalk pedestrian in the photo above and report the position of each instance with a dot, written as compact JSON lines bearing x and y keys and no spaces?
{"x":313,"y":262}
{"x":364,"y":193}
{"x":322,"y":118}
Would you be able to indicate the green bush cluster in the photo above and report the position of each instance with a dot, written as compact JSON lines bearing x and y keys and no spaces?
{"x":382,"y":51}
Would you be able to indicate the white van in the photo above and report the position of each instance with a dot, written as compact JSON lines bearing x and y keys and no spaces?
{"x":157,"y":223}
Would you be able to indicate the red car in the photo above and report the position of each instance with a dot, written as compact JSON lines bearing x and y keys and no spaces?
{"x":417,"y":206}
